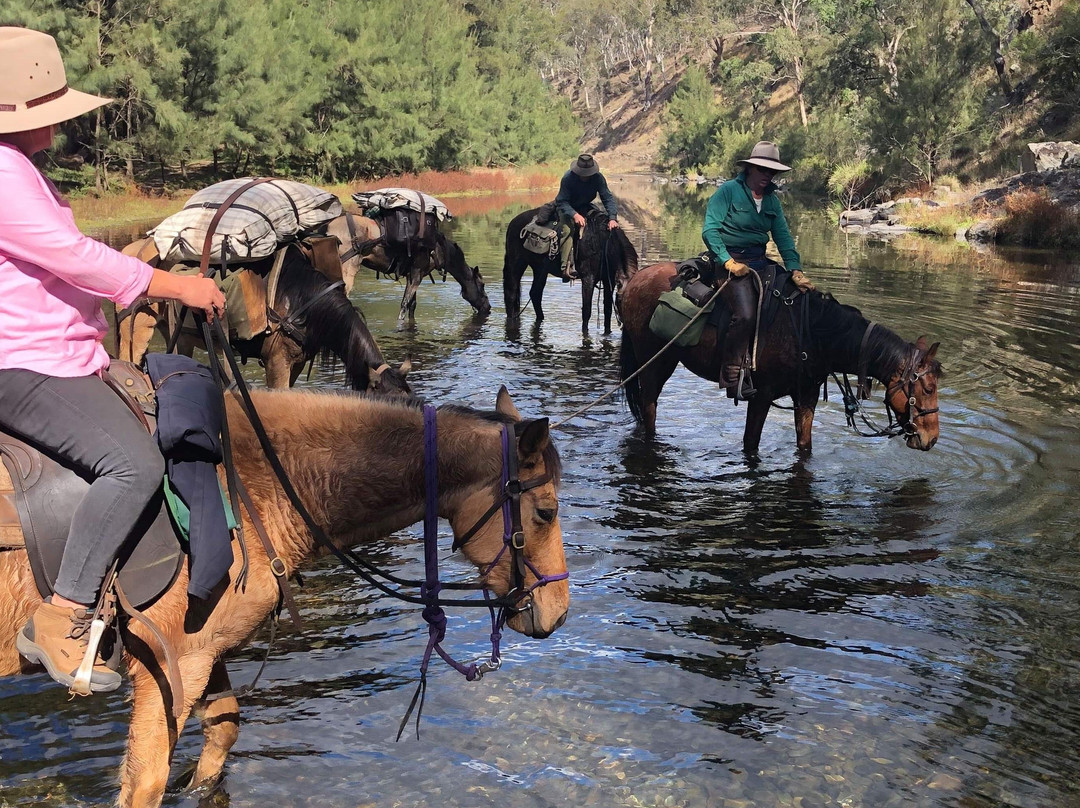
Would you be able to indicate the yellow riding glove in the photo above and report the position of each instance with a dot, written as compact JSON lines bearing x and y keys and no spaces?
{"x":801,"y":281}
{"x":736,"y":268}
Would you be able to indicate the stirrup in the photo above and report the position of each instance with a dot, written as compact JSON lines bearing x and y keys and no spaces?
{"x":743,"y":389}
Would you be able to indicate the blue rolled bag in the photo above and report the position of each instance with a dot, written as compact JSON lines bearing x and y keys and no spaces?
{"x":189,"y":434}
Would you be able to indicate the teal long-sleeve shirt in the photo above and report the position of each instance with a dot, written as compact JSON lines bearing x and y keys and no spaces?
{"x":732,"y":221}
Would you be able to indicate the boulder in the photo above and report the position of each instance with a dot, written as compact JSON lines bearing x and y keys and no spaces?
{"x":1049,"y":156}
{"x":984,"y":231}
{"x":856,"y":217}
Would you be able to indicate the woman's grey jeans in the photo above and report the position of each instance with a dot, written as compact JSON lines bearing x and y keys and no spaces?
{"x":82,"y":421}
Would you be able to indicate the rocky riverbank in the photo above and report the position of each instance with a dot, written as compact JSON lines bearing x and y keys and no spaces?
{"x":1025,"y":208}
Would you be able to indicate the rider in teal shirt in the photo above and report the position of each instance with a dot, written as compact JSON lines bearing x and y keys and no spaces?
{"x":739,"y":219}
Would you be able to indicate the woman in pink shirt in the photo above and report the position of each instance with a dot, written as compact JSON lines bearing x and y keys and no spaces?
{"x":52,"y":282}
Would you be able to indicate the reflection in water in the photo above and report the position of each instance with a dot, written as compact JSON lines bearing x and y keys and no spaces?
{"x":868,"y":627}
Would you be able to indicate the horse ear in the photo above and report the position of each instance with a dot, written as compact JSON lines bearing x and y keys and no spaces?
{"x":932,"y":352}
{"x":920,"y":343}
{"x":374,"y":377}
{"x":504,"y":405}
{"x":534,"y":437}
{"x":406,"y":366}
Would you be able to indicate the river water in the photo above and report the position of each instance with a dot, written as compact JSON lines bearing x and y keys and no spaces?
{"x":872,"y":626}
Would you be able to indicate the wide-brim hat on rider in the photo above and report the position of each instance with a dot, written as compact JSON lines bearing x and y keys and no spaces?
{"x":33,"y":85}
{"x":584,"y":165}
{"x":765,"y":154}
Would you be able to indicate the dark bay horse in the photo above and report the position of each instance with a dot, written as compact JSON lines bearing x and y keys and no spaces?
{"x":602,"y":257}
{"x":323,"y":323}
{"x":834,"y":344}
{"x":358,"y":464}
{"x":361,"y":245}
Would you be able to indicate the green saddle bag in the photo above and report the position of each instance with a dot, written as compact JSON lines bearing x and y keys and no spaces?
{"x":673,"y":311}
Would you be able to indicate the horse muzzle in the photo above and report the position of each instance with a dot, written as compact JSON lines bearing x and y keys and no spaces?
{"x":915,"y":440}
{"x":525,"y":618}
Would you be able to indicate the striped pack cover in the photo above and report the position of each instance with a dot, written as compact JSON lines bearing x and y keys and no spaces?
{"x":261,"y":218}
{"x":384,"y":199}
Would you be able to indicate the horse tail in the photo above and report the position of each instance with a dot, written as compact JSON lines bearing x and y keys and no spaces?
{"x":628,"y":366}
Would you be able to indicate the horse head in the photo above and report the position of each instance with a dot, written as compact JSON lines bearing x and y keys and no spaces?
{"x":389,"y":381}
{"x":450,"y":258}
{"x":912,"y":395}
{"x":520,"y":553}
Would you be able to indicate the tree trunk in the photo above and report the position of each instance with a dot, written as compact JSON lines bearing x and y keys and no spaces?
{"x":996,"y":56}
{"x":799,"y":91}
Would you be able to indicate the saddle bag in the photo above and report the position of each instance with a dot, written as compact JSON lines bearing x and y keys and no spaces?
{"x":673,"y":311}
{"x":539,"y":239}
{"x":411,"y":230}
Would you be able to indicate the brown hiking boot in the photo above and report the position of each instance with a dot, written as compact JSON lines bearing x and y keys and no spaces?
{"x":57,"y":637}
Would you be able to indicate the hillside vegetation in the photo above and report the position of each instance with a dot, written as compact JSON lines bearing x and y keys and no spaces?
{"x":864,"y":96}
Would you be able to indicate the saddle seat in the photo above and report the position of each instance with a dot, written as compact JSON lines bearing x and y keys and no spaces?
{"x":39,"y":496}
{"x":692,"y":289}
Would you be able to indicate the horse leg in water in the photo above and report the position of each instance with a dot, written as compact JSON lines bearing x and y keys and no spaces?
{"x":648,"y":384}
{"x":536,"y":291}
{"x":417,"y":271}
{"x":757,"y":410}
{"x":804,"y":420}
{"x":513,"y":272}
{"x":153,"y":732}
{"x":220,"y":718}
{"x":609,"y":302}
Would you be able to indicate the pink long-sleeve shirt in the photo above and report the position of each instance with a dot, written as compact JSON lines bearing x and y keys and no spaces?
{"x":53,"y":278}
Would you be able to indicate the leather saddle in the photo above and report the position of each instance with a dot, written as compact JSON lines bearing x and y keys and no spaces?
{"x":698,"y":275}
{"x":39,"y":497}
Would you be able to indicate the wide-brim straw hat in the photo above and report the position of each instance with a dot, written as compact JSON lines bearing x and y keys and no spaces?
{"x":584,"y":165}
{"x":33,"y":84}
{"x":765,"y":154}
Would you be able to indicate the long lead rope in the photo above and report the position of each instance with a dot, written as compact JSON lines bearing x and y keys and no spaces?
{"x":652,"y":359}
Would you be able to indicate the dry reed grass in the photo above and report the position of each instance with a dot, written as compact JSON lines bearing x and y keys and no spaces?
{"x":1034,"y":219}
{"x":477,"y":181}
{"x":477,"y":191}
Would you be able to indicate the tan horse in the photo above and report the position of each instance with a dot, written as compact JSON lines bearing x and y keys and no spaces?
{"x":361,"y":245}
{"x":357,"y":464}
{"x":328,"y":324}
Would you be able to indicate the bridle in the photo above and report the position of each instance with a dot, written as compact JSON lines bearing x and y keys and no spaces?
{"x":899,"y":423}
{"x":509,"y":502}
{"x":906,"y":381}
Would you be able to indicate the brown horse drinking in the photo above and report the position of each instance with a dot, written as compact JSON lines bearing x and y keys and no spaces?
{"x":362,"y":245}
{"x":836,"y":340}
{"x":358,"y":465}
{"x":602,"y":257}
{"x":309,"y":317}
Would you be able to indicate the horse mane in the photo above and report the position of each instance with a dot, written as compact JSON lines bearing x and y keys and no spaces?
{"x":333,"y":326}
{"x":320,"y":413}
{"x":597,"y":238}
{"x":552,"y":461}
{"x":842,"y":325}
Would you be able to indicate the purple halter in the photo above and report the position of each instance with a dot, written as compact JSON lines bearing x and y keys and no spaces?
{"x":509,"y":502}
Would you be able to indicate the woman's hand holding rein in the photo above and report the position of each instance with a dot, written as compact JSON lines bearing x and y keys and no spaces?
{"x":193,"y":291}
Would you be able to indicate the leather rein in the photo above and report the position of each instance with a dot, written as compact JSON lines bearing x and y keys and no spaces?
{"x":517,"y":600}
